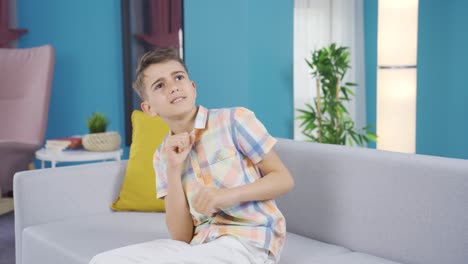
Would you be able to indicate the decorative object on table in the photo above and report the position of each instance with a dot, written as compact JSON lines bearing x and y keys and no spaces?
{"x":60,"y":144}
{"x":99,"y":139}
{"x":328,"y":120}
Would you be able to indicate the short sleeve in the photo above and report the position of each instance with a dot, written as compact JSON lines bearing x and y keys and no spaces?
{"x":251,"y":136}
{"x":159,"y":165}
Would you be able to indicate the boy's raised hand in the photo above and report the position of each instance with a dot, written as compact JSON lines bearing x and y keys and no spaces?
{"x":178,"y":146}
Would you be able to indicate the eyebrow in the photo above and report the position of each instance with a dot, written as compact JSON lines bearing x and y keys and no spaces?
{"x":160,"y":79}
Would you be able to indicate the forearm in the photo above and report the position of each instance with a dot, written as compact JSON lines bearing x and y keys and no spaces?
{"x":276,"y":181}
{"x":178,"y":218}
{"x":268,"y":187}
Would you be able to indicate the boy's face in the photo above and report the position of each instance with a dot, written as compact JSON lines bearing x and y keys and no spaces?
{"x":170,"y":93}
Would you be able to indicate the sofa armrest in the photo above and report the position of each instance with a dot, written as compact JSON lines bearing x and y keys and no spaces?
{"x":48,"y":195}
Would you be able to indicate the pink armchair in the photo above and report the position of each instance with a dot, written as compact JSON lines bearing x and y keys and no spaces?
{"x":25,"y":84}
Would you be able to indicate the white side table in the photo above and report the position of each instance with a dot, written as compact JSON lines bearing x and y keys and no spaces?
{"x":75,"y":156}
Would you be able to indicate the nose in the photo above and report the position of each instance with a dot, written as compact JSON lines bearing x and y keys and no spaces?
{"x":174,"y":89}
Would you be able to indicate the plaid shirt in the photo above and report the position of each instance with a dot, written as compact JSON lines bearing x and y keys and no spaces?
{"x":228,"y":144}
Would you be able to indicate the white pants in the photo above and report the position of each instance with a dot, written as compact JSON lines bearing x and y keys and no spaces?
{"x":225,"y":249}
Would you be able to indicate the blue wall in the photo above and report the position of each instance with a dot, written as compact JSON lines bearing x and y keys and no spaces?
{"x":370,"y":48}
{"x":442,"y":92}
{"x":239,"y":53}
{"x":87,"y":39}
{"x":442,"y":108}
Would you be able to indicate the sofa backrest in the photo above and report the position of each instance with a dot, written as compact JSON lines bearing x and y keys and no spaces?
{"x":404,"y":207}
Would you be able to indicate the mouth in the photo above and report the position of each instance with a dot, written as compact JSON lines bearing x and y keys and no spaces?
{"x":178,"y":99}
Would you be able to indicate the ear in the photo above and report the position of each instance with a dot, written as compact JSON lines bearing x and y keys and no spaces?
{"x":146,"y":107}
{"x":194,"y":89}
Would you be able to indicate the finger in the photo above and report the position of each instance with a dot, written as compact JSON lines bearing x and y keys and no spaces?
{"x":180,"y":146}
{"x":173,"y":142}
{"x":192,"y":137}
{"x":170,"y":148}
{"x":186,"y":142}
{"x":184,"y":136}
{"x":176,"y":138}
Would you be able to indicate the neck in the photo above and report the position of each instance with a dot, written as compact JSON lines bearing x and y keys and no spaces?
{"x":184,"y":123}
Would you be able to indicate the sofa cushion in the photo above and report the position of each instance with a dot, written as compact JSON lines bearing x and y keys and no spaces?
{"x":299,"y":249}
{"x":138,"y":191}
{"x":351,"y":258}
{"x":78,"y":240}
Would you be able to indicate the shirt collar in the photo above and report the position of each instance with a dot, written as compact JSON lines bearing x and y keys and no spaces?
{"x":201,"y":118}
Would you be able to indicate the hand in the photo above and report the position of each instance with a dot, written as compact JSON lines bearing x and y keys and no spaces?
{"x":209,"y":200}
{"x":178,"y":146}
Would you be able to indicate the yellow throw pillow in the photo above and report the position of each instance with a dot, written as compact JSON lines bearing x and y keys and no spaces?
{"x":138,"y":191}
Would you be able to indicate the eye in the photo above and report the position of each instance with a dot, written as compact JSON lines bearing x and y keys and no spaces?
{"x":179,"y":77}
{"x":158,"y":86}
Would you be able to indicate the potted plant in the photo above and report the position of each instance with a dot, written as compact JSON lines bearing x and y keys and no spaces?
{"x":328,"y":120}
{"x":97,"y":123}
{"x":98,"y":139}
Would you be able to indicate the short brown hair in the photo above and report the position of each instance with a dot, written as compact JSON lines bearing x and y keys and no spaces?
{"x":153,"y":57}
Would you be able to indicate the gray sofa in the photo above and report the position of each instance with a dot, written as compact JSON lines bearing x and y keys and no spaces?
{"x":349,"y":205}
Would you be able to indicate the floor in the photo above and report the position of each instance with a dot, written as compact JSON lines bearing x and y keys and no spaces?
{"x":7,"y":238}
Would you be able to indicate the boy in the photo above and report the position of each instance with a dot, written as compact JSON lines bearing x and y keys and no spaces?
{"x":217,"y":172}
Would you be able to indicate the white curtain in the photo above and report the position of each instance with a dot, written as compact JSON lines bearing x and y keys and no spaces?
{"x":318,"y":23}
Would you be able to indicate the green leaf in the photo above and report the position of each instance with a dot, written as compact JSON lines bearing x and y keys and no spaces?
{"x":372,"y":136}
{"x":349,"y":91}
{"x":300,"y":117}
{"x":360,"y":140}
{"x":303,"y":123}
{"x":353,"y":136}
{"x":345,"y":93}
{"x":311,"y":137}
{"x":310,"y":107}
{"x":97,"y":123}
{"x":305,"y":111}
{"x":310,"y":127}
{"x":365,"y":139}
{"x":343,"y":108}
{"x":311,"y":65}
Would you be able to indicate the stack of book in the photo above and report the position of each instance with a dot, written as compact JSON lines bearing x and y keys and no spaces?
{"x":60,"y":144}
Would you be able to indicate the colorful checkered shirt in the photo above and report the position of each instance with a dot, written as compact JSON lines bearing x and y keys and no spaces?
{"x":228,"y":144}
